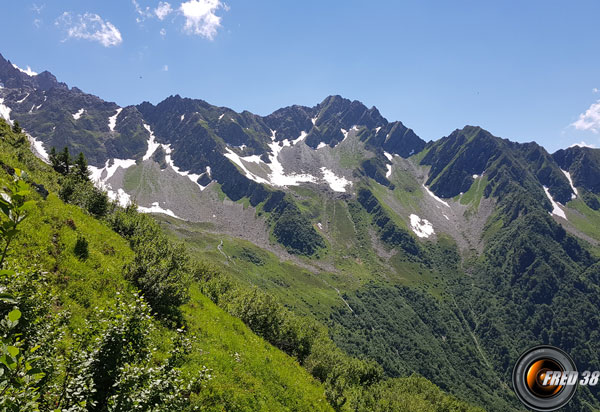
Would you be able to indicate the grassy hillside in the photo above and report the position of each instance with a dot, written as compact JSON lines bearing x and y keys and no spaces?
{"x":92,"y":322}
{"x":80,"y":289}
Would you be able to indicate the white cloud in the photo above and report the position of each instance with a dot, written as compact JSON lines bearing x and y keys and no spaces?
{"x":595,"y":90}
{"x":37,"y":9}
{"x":89,"y":26}
{"x":143,"y":13}
{"x":201,"y":18}
{"x":590,"y":120}
{"x":583,"y":144}
{"x":166,"y":68}
{"x":163,"y":10}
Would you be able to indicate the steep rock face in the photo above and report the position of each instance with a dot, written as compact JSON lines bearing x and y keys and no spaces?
{"x":457,"y":159}
{"x":59,"y":117}
{"x":12,"y":77}
{"x":583,"y":163}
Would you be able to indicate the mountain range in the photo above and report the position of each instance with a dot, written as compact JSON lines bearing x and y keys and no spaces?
{"x":445,"y":258}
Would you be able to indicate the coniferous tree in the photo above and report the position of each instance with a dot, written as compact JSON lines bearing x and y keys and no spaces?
{"x":63,"y":162}
{"x":81,"y":167}
{"x":54,"y":160}
{"x":16,"y":127}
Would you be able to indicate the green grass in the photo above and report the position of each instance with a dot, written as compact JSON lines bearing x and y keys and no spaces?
{"x":474,"y":195}
{"x":587,"y":220}
{"x":298,"y":288}
{"x":259,"y":378}
{"x":381,"y":193}
{"x":85,"y":286}
{"x":248,"y":373}
{"x":133,"y":179}
{"x":350,"y":159}
{"x":416,"y":158}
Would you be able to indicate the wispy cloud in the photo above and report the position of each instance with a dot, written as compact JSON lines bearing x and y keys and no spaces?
{"x":143,"y":13}
{"x":163,"y":32}
{"x":163,"y":10}
{"x":583,"y":144}
{"x":200,"y":17}
{"x":89,"y":26}
{"x":595,"y":90}
{"x":590,"y":119}
{"x":37,"y":9}
{"x":166,"y":68}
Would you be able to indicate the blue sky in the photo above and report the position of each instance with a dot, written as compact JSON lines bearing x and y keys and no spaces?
{"x":524,"y":70}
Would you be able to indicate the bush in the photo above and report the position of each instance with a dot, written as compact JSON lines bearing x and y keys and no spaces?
{"x":84,"y":194}
{"x":293,"y":230}
{"x":160,"y":268}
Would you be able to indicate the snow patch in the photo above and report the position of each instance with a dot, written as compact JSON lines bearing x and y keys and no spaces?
{"x":556,"y":210}
{"x":314,"y":120}
{"x":320,"y":226}
{"x":155,"y":208}
{"x":300,"y":138}
{"x":77,"y":115}
{"x":321,"y":145}
{"x":112,"y":120}
{"x":220,"y":117}
{"x":435,"y":197}
{"x":337,"y":184}
{"x":120,"y":196}
{"x":5,"y":111}
{"x":100,"y":177}
{"x":38,"y":147}
{"x":389,"y":171}
{"x":575,"y":192}
{"x":235,"y":158}
{"x":377,"y":129}
{"x":152,"y":145}
{"x":168,"y":151}
{"x":182,"y":117}
{"x":421,"y":227}
{"x":103,"y":175}
{"x":27,"y":71}
{"x":252,"y":159}
{"x":277,"y":176}
{"x":447,"y":218}
{"x":345,"y":133}
{"x":475,"y":176}
{"x":389,"y":156}
{"x":23,"y":99}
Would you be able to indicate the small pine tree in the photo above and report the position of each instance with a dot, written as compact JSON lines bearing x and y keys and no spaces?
{"x":65,"y":160}
{"x":81,"y":167}
{"x":54,"y":160}
{"x":16,"y":127}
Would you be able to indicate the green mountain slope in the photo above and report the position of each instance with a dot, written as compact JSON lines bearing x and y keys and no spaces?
{"x":73,"y":284}
{"x":330,"y":227}
{"x":83,"y":288}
